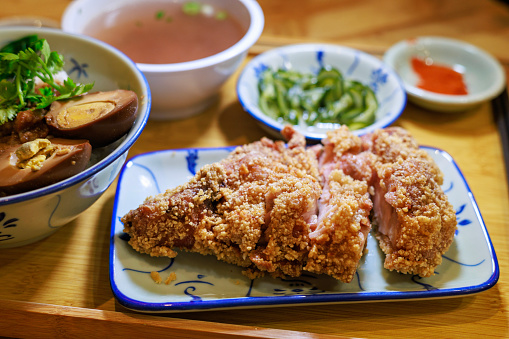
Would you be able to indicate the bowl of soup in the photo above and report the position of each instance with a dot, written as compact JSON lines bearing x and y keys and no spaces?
{"x":185,"y":49}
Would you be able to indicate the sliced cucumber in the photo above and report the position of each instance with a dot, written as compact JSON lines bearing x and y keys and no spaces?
{"x":310,"y":99}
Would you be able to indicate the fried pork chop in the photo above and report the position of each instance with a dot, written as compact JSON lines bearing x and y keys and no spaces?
{"x":253,"y":209}
{"x":338,"y":240}
{"x":415,"y":223}
{"x":263,"y":208}
{"x":283,"y":209}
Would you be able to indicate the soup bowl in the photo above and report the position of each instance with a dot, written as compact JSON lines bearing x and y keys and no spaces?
{"x":33,"y":215}
{"x":180,"y":89}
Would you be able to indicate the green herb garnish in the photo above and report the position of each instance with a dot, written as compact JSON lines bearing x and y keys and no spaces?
{"x":191,"y":8}
{"x":221,"y":15}
{"x":159,"y":15}
{"x":313,"y":99}
{"x":21,"y":62}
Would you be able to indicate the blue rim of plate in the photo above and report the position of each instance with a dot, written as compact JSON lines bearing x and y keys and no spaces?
{"x":286,"y":300}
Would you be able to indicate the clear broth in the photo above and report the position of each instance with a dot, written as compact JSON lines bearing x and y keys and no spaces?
{"x":155,"y":33}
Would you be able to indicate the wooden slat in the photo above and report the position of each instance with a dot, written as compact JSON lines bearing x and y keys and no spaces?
{"x":59,"y":287}
{"x":266,"y":43}
{"x":49,"y":321}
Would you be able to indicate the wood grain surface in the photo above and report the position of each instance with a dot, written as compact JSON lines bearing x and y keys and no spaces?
{"x":59,"y":287}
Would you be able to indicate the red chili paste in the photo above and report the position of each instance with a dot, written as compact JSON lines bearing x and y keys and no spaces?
{"x":438,"y":78}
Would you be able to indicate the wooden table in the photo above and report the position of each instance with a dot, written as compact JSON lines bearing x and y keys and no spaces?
{"x":59,"y":287}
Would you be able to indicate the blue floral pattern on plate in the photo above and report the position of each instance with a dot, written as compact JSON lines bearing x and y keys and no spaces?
{"x":204,"y":283}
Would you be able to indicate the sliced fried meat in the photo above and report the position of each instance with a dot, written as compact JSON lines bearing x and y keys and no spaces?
{"x":339,"y":238}
{"x":282,"y":209}
{"x":415,"y":223}
{"x":253,"y":209}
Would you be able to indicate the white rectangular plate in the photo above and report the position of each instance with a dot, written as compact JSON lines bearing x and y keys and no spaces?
{"x":204,"y":283}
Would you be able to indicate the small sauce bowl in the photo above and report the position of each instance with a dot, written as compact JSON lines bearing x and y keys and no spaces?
{"x":482,"y":74}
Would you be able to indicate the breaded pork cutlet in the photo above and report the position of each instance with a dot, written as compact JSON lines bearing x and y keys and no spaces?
{"x":281,"y":209}
{"x":268,"y":207}
{"x":337,"y":242}
{"x":415,"y":223}
{"x":253,"y":209}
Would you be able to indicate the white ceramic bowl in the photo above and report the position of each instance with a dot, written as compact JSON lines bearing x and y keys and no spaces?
{"x":482,"y":73}
{"x":33,"y":215}
{"x":308,"y":58}
{"x":184,"y":89}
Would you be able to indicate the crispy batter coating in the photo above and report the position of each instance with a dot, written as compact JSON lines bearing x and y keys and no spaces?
{"x":281,"y":209}
{"x":252,"y":209}
{"x":338,"y":241}
{"x":415,"y":221}
{"x":393,"y":143}
{"x":337,"y":244}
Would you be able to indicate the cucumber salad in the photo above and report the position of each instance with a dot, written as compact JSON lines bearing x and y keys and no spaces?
{"x":327,"y":97}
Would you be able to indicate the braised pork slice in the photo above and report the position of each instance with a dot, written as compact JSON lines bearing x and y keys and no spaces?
{"x":415,"y":223}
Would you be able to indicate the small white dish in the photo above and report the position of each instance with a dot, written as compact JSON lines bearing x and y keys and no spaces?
{"x":483,"y":75}
{"x":309,"y":58}
{"x":205,"y":283}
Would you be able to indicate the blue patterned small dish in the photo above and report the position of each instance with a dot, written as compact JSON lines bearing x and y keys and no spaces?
{"x":31,"y":216}
{"x":198,"y":283}
{"x":309,"y":58}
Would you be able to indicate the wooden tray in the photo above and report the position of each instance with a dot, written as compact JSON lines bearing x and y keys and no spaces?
{"x":59,"y":287}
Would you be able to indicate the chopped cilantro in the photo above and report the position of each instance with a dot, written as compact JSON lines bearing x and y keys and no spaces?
{"x":159,"y":14}
{"x":221,"y":15}
{"x":191,"y":8}
{"x":21,"y":62}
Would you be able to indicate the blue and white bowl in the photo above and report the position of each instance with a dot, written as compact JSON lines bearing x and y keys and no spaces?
{"x":309,"y":58}
{"x":34,"y":215}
